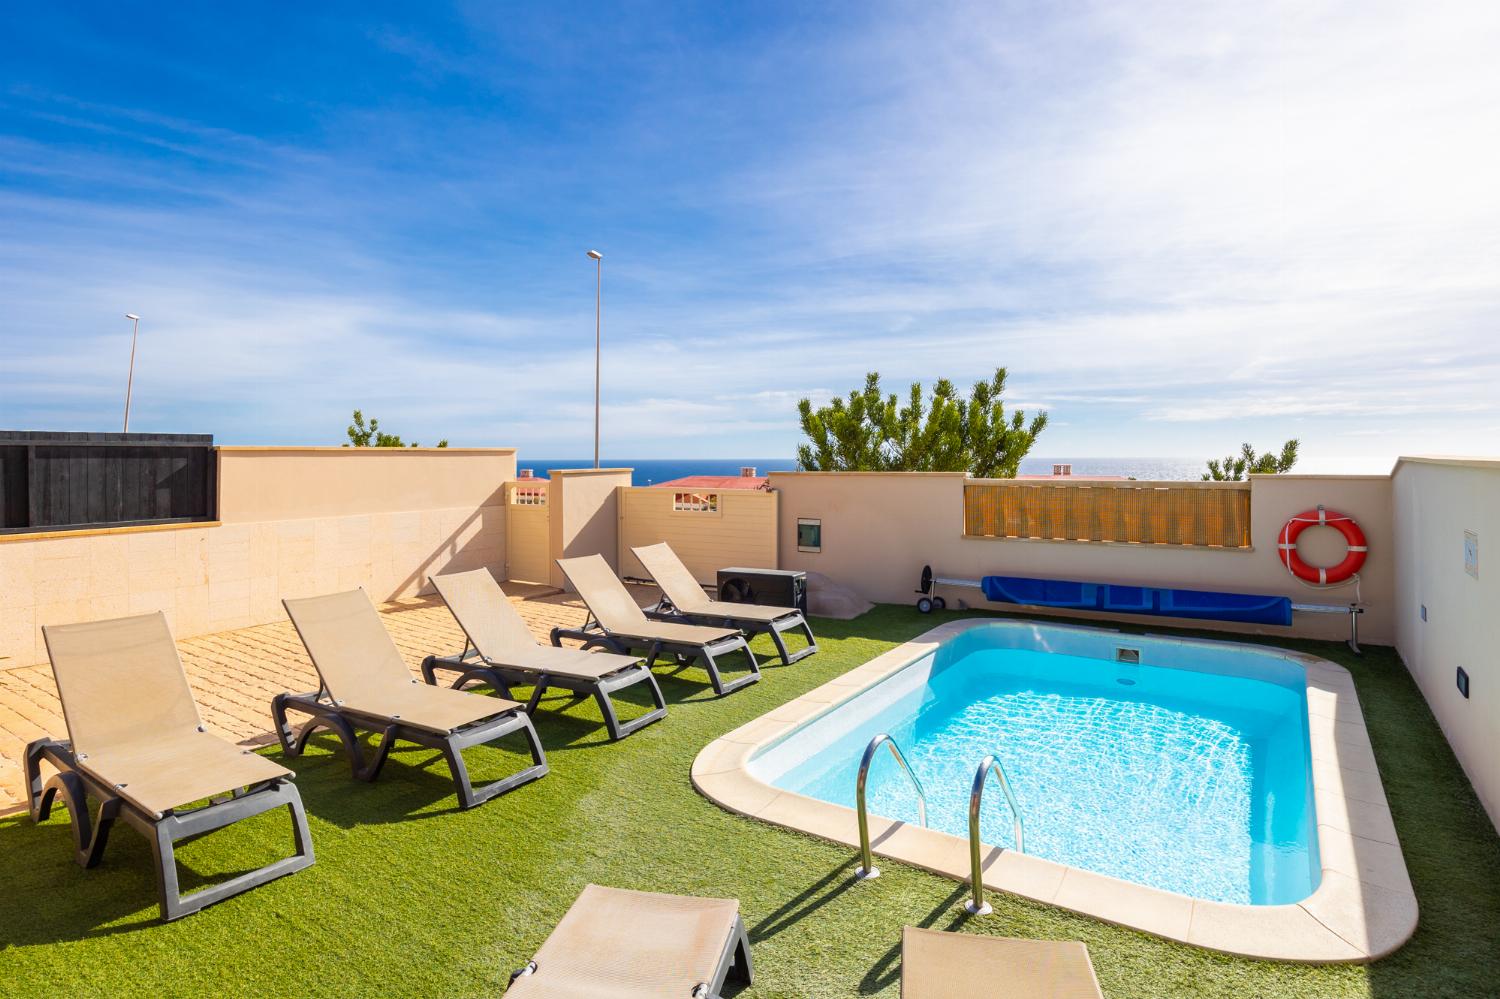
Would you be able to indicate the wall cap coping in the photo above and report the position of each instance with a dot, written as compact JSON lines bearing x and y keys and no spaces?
{"x":87,"y":532}
{"x":1457,"y":461}
{"x":563,"y":472}
{"x":948,"y":475}
{"x":339,"y":449}
{"x":1085,"y":482}
{"x":1352,"y":477}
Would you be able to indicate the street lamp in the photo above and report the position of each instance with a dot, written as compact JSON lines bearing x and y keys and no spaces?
{"x":134,"y":330}
{"x":598,"y":259}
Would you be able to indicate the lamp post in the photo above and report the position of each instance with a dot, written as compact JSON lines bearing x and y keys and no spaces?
{"x":598,"y":259}
{"x":130,"y":378}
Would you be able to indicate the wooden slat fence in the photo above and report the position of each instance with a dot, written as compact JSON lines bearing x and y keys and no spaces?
{"x":1194,"y":514}
{"x":51,"y":481}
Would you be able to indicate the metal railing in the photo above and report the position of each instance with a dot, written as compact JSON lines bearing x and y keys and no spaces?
{"x":977,"y":906}
{"x":867,"y":869}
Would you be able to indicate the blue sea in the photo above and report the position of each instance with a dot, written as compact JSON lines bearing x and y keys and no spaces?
{"x":652,"y":470}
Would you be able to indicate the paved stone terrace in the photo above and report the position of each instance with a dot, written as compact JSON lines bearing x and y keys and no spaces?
{"x":234,"y":674}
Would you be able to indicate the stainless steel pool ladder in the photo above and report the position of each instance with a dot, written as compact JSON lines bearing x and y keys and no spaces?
{"x":977,"y":906}
{"x":867,"y":869}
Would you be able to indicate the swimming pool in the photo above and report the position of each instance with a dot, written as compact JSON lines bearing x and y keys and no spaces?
{"x":1187,"y":768}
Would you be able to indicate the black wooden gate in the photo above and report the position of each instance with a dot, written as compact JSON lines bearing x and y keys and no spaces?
{"x":56,"y":481}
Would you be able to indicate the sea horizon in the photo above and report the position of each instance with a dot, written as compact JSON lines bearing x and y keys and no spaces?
{"x":649,"y":471}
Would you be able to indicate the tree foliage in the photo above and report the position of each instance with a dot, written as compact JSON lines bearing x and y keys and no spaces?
{"x":362,"y":435}
{"x":944,"y":432}
{"x":1233,"y":469}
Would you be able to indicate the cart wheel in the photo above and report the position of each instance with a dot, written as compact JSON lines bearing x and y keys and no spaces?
{"x":938,"y":603}
{"x":924,"y":605}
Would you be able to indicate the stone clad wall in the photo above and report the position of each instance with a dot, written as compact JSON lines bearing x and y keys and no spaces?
{"x":294,"y":522}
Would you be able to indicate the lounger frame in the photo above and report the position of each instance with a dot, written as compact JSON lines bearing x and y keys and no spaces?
{"x":707,"y":654}
{"x":346,"y":721}
{"x":90,"y":835}
{"x":472,"y":667}
{"x":734,"y":961}
{"x":792,"y":620}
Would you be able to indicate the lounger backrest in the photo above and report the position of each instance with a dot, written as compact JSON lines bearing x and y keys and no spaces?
{"x":485,"y":614}
{"x":348,"y":645}
{"x":608,"y":600}
{"x":672,"y":576}
{"x":119,"y":680}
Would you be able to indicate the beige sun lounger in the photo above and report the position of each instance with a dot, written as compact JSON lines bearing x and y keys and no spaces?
{"x":939,"y":965}
{"x":366,"y":685}
{"x":137,"y":745}
{"x":617,"y":944}
{"x":501,"y":651}
{"x":686,"y":598}
{"x":617,"y":623}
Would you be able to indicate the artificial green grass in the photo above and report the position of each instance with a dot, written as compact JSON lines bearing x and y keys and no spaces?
{"x":411,"y":897}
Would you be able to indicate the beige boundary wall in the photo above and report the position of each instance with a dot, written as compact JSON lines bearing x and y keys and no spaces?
{"x":1438,"y":500}
{"x":583,"y":511}
{"x":879,"y":529}
{"x":742,"y":531}
{"x":293,"y":522}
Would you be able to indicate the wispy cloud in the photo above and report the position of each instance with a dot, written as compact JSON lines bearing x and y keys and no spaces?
{"x":1179,"y":227}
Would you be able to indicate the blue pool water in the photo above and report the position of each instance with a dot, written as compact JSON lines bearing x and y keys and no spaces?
{"x":1189,"y":772}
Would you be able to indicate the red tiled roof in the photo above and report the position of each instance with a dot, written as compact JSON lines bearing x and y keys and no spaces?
{"x":714,"y":482}
{"x":1065,"y":478}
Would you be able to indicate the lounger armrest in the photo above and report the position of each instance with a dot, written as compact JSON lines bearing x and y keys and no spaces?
{"x":653,"y":614}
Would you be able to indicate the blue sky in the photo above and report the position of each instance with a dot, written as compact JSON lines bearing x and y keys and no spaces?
{"x":1179,"y":225}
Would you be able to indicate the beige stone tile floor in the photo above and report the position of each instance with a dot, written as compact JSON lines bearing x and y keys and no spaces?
{"x":234,"y":674}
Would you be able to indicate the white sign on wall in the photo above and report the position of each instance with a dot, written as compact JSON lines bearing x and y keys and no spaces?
{"x":1471,"y":553}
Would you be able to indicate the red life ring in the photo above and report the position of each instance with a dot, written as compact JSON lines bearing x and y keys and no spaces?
{"x":1354,"y":558}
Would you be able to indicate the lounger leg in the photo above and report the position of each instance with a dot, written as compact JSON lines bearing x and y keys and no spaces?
{"x":720,"y":687}
{"x":733,"y":963}
{"x":536,"y":693}
{"x":295,"y":745}
{"x":164,"y":854}
{"x":488,"y":677}
{"x":452,"y":749}
{"x":602,"y":694}
{"x":798,"y":624}
{"x":744,"y":970}
{"x":89,"y":836}
{"x":776,"y":640}
{"x":165,"y":833}
{"x":35,"y":753}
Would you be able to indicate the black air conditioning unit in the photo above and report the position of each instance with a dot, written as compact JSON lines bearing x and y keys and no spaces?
{"x":768,"y":587}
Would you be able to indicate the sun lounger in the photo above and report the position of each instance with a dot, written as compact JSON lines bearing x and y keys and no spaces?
{"x":684,"y":596}
{"x":366,"y":685}
{"x":937,"y":965}
{"x":616,"y":622}
{"x":617,"y":944}
{"x":137,"y":745}
{"x":501,"y":651}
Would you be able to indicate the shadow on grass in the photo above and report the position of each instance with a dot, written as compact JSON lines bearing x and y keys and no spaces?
{"x":805,"y":903}
{"x":887,"y":968}
{"x":63,"y":902}
{"x":626,"y":814}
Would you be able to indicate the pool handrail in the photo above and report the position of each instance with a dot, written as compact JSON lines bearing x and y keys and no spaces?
{"x":867,"y":869}
{"x":977,"y":906}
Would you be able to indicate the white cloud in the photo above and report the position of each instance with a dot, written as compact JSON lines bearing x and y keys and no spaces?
{"x":1180,"y":226}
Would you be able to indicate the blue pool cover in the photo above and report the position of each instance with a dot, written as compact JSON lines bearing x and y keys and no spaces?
{"x":1116,"y":599}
